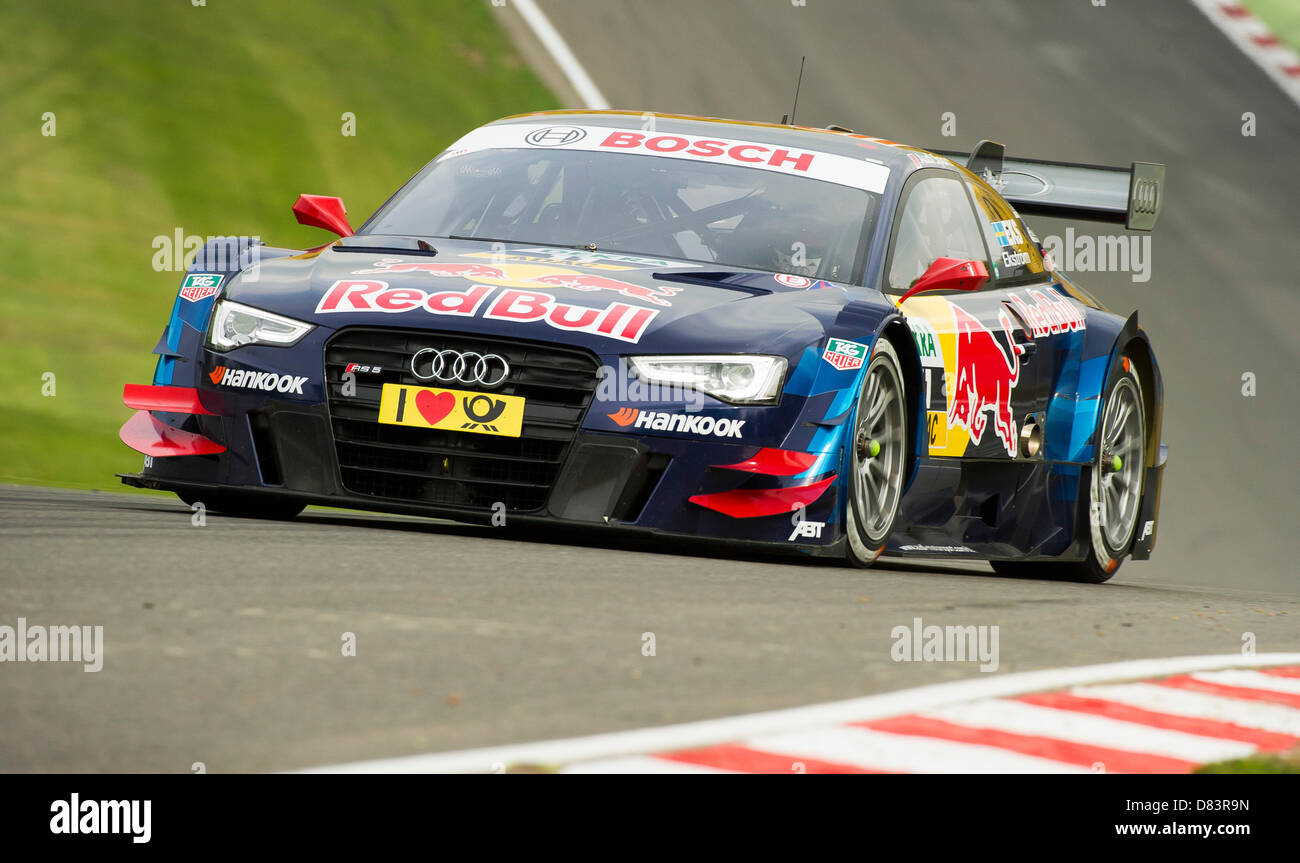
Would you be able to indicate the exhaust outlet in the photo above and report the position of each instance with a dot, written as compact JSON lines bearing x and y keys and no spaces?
{"x":1031,"y":439}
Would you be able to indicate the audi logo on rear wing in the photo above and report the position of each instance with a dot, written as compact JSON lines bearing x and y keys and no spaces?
{"x":1144,"y":196}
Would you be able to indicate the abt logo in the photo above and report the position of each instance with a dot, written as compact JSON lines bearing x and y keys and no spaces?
{"x":803,"y":528}
{"x":809,"y":529}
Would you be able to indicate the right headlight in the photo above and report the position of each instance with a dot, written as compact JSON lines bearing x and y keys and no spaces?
{"x":739,"y":379}
{"x":235,"y":325}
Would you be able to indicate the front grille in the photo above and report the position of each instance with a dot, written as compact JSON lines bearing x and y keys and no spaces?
{"x":451,"y":468}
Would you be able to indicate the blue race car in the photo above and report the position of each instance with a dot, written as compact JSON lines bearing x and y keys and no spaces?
{"x":780,"y":336}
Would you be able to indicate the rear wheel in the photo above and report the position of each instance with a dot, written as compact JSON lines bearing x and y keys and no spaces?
{"x":247,"y":505}
{"x":879,"y":457}
{"x":1115,"y":492}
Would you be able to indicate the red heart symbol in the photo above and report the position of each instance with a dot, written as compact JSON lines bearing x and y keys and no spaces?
{"x":434,"y":406}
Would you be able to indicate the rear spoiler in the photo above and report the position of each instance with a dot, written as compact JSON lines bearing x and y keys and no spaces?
{"x":1131,"y":196}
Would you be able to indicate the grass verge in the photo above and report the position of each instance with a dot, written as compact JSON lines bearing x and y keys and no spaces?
{"x":208,"y":119}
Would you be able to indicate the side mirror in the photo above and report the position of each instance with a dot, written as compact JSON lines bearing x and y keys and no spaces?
{"x":323,"y":211}
{"x":949,"y":274}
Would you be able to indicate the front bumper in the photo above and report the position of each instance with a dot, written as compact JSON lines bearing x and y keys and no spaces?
{"x":608,"y":481}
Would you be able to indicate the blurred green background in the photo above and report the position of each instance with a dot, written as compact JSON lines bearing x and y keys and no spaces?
{"x":1281,"y":16}
{"x":211,"y":119}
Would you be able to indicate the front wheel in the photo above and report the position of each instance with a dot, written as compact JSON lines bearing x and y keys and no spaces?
{"x":879,"y":457}
{"x":1115,"y":492}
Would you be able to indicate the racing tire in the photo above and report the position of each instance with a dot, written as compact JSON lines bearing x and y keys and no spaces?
{"x":246,"y":505}
{"x":878,"y":457}
{"x":1114,"y":495}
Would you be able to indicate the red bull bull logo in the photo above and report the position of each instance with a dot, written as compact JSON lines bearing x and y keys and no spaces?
{"x":450,"y":271}
{"x":586,"y":282}
{"x":525,"y":277}
{"x":984,"y":378}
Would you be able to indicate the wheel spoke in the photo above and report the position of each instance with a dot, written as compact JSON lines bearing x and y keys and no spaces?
{"x":881,"y":400}
{"x":873,"y":388}
{"x":1120,"y":419}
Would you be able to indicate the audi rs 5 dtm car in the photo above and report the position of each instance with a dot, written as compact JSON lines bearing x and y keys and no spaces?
{"x":762,"y":334}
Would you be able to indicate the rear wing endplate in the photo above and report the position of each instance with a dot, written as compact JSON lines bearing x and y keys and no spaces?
{"x":1131,"y":196}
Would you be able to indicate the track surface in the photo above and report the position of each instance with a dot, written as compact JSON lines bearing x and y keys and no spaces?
{"x":223,"y":641}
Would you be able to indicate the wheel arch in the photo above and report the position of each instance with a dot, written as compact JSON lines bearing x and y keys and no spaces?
{"x":1132,"y":344}
{"x":899,"y":335}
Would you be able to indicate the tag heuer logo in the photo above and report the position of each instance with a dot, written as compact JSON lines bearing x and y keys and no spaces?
{"x":845,"y":355}
{"x":199,"y":286}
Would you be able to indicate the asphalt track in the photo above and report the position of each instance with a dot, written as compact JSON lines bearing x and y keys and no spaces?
{"x":223,"y":641}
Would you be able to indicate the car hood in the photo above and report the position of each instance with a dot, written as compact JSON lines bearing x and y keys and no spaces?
{"x":610,"y":303}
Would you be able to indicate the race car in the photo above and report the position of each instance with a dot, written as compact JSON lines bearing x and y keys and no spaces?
{"x":762,"y":334}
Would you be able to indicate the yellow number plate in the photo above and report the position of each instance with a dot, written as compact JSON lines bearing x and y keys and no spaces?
{"x":451,"y":410}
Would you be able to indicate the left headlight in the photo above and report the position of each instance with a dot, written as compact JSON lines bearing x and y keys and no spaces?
{"x":235,"y":325}
{"x":740,"y":380}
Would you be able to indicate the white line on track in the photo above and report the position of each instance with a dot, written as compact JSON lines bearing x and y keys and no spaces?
{"x":555,"y":45}
{"x":640,"y":764}
{"x":712,"y":731}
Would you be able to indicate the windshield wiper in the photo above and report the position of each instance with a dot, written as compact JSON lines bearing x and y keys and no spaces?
{"x":589,"y":247}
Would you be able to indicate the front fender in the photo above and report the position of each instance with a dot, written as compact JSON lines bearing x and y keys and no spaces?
{"x":206,"y":278}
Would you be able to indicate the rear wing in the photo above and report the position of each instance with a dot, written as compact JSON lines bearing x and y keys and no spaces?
{"x":1131,"y":196}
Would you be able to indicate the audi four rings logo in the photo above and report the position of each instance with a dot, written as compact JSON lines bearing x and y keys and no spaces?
{"x":1146,"y":195}
{"x":468,"y":368}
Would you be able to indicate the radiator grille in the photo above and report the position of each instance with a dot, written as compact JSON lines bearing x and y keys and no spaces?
{"x":452,"y":468}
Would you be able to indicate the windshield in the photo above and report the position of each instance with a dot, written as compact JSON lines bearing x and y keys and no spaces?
{"x":717,"y":214}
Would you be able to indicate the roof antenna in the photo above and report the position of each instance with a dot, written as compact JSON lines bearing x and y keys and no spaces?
{"x":797,"y":85}
{"x":789,"y":120}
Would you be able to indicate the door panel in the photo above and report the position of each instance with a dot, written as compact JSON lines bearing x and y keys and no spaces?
{"x":990,"y":358}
